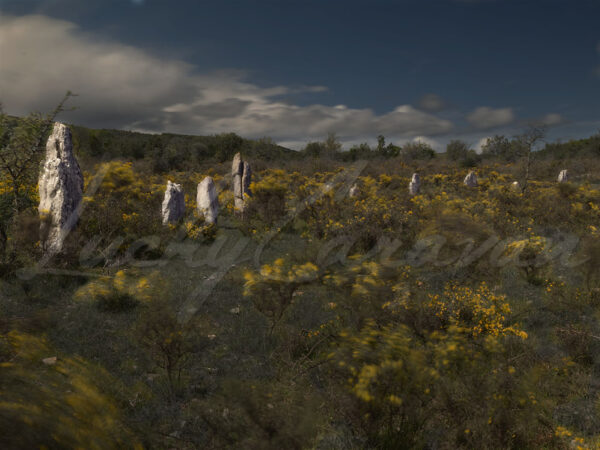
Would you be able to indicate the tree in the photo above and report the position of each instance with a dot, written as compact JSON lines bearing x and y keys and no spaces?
{"x":501,"y":147}
{"x":22,"y":144}
{"x":361,"y":151}
{"x":387,"y":151}
{"x":313,"y":149}
{"x":527,"y":141}
{"x":332,"y":145}
{"x":21,"y":148}
{"x":457,"y":150}
{"x":417,"y":150}
{"x":380,"y":143}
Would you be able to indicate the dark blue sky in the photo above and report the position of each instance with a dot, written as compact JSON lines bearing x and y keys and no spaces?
{"x":520,"y":61}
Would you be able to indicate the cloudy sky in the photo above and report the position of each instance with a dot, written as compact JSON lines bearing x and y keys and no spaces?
{"x":296,"y":70}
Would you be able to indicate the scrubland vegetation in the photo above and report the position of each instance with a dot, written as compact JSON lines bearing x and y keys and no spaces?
{"x":457,"y":318}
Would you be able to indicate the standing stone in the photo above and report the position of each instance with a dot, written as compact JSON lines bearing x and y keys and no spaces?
{"x":471,"y":179}
{"x":415,"y":184}
{"x":353,"y":191}
{"x":61,"y":189}
{"x":563,"y":176}
{"x":207,"y":200}
{"x":173,"y":205}
{"x":241,"y":174}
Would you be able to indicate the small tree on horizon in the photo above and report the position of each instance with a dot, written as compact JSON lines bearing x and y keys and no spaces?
{"x":527,"y":141}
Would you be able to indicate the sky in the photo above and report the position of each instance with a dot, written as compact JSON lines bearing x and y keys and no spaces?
{"x":296,"y":70}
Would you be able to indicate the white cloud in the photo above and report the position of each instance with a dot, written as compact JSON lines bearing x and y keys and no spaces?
{"x":552,"y":119}
{"x":122,"y":86}
{"x":429,"y":141}
{"x":485,"y":117}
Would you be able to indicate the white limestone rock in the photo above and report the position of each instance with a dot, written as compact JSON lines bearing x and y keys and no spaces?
{"x":207,"y":200}
{"x":173,"y":205}
{"x":241,"y":175}
{"x":353,"y":191}
{"x":414,"y":187}
{"x":60,"y":188}
{"x":471,"y":179}
{"x":563,"y":176}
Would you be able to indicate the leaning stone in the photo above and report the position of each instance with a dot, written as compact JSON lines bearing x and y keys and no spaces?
{"x":471,"y":179}
{"x":415,"y":184}
{"x":563,"y":176}
{"x":207,"y":200}
{"x":60,"y":188}
{"x":173,"y":205}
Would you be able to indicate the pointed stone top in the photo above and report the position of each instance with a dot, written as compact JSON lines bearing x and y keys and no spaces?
{"x":207,"y":181}
{"x":60,"y":142}
{"x":237,"y":167}
{"x":563,"y":176}
{"x":471,"y":179}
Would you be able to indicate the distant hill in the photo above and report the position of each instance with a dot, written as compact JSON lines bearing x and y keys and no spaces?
{"x":170,"y":151}
{"x":577,"y":148}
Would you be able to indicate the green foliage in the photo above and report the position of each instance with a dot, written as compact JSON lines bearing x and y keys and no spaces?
{"x":405,"y":332}
{"x":575,"y":148}
{"x":22,"y":144}
{"x":417,"y":150}
{"x":268,"y":201}
{"x":457,"y":150}
{"x":502,"y":148}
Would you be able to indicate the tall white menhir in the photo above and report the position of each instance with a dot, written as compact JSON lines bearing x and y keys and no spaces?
{"x":563,"y":176}
{"x":207,"y":200}
{"x":415,"y":184}
{"x":61,"y":189}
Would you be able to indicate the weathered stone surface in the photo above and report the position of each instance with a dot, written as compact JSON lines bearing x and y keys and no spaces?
{"x":415,"y":184}
{"x":61,"y":189}
{"x":207,"y":200}
{"x":241,"y":175}
{"x":353,"y":191}
{"x":173,"y":205}
{"x":563,"y":176}
{"x":471,"y":179}
{"x":246,"y":179}
{"x":237,"y":170}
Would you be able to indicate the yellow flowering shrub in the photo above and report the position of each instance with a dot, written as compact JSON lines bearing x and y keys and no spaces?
{"x":273,"y":287}
{"x":121,"y":291}
{"x":124,"y":203}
